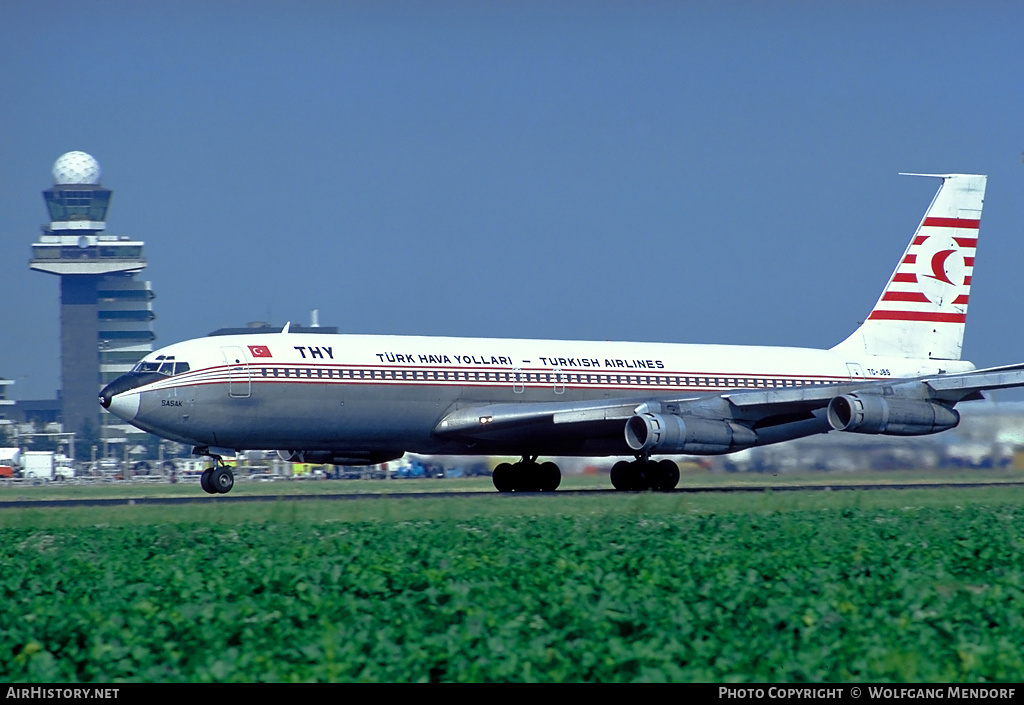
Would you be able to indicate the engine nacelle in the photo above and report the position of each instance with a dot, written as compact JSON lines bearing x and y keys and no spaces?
{"x":867,"y":413}
{"x":670,"y":433}
{"x":330,"y":457}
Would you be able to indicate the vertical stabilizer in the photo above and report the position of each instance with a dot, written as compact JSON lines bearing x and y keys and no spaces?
{"x":923,"y":310}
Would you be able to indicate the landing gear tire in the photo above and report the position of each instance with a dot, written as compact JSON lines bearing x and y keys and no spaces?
{"x":550,"y":477}
{"x":204,"y":481}
{"x":222,"y":480}
{"x":526,"y":476}
{"x":503,"y":478}
{"x":620,"y":476}
{"x":668,"y":476}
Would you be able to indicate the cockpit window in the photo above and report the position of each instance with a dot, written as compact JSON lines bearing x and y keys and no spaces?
{"x":163,"y":365}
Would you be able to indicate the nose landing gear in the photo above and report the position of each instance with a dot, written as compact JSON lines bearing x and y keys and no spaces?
{"x":218,"y":478}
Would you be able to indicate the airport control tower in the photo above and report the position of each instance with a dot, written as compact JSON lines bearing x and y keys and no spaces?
{"x":105,"y":314}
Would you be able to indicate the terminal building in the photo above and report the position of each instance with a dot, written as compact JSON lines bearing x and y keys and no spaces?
{"x":106,"y":314}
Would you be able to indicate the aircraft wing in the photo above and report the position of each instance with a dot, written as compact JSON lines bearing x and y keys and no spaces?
{"x":890,"y":407}
{"x":492,"y":420}
{"x":951,"y":387}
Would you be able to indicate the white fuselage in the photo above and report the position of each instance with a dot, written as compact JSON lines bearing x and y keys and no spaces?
{"x":313,"y":391}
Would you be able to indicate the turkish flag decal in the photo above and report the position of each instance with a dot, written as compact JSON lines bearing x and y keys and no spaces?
{"x":260,"y":351}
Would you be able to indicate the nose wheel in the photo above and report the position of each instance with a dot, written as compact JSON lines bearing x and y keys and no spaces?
{"x":218,"y":478}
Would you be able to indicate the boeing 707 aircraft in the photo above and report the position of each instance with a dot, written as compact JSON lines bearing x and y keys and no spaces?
{"x":367,"y":399}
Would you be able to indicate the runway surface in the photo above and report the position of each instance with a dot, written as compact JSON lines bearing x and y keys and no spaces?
{"x":200,"y":496}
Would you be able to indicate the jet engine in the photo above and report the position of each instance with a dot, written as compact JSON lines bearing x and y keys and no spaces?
{"x":331,"y":457}
{"x":866,"y":413}
{"x":671,"y":433}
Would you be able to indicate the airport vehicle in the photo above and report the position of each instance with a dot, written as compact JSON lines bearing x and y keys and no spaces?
{"x":10,"y":460}
{"x":367,"y":399}
{"x":46,"y":465}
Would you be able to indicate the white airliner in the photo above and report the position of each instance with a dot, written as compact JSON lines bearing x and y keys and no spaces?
{"x":366,"y":399}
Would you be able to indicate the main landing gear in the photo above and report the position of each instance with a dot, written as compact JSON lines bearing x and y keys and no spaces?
{"x":645,"y":474}
{"x":526,"y":476}
{"x":218,"y":478}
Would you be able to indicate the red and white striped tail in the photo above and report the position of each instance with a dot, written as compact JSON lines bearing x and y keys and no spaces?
{"x":923,"y":310}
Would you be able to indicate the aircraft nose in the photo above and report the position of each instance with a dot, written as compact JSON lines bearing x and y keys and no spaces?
{"x":119,"y":398}
{"x":124,"y":405}
{"x":119,"y":385}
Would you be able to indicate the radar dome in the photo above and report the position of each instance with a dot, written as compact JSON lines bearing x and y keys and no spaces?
{"x":76,"y":168}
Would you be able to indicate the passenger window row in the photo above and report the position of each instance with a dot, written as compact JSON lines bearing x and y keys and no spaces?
{"x":510,"y":376}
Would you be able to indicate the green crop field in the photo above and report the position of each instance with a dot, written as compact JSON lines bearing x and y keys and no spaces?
{"x":895,"y":585}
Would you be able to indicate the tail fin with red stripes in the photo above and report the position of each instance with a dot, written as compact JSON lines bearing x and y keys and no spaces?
{"x":923,"y":310}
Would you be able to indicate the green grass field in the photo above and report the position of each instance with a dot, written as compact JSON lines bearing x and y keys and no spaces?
{"x":893,"y":585}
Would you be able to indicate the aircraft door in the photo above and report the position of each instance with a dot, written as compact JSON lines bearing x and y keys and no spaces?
{"x":856,"y":372}
{"x":239,"y":374}
{"x":559,"y":379}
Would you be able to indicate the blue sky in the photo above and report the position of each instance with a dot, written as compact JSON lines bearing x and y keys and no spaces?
{"x":681,"y":172}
